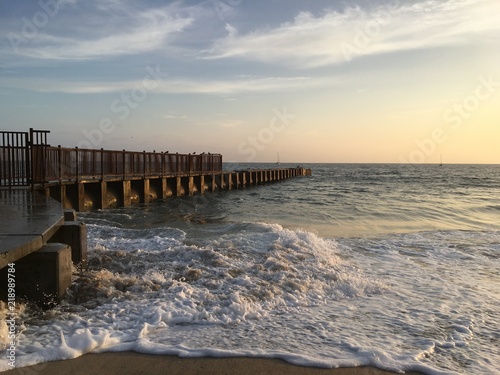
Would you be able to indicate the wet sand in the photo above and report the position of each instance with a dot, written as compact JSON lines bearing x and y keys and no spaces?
{"x":128,"y":363}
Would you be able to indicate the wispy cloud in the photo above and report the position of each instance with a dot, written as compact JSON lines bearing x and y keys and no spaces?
{"x":113,"y":28}
{"x":335,"y":37}
{"x":241,"y":85}
{"x":175,"y":86}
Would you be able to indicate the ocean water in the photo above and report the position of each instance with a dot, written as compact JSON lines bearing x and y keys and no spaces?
{"x":393,"y":266}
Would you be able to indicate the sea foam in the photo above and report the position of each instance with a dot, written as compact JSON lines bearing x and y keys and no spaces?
{"x":142,"y":282}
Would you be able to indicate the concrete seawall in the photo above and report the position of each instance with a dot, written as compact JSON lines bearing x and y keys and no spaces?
{"x":39,"y":242}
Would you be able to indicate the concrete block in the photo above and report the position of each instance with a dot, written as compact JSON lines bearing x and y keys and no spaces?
{"x":171,"y":186}
{"x":73,"y":234}
{"x":127,"y":194}
{"x":182,"y":186}
{"x":146,"y":198}
{"x":69,"y":215}
{"x":83,"y":200}
{"x":103,"y":195}
{"x":44,"y":276}
{"x":191,"y":186}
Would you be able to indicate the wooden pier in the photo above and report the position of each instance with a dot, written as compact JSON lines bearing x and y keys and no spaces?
{"x":86,"y":179}
{"x":41,"y":187}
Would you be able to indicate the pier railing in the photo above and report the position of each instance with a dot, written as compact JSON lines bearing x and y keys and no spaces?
{"x":53,"y":164}
{"x":15,"y":156}
{"x":27,"y":159}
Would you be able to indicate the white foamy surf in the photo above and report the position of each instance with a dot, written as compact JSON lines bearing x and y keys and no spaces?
{"x":187,"y":281}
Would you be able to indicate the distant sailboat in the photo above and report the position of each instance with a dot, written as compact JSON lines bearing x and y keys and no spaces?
{"x":441,"y":163}
{"x":278,"y":158}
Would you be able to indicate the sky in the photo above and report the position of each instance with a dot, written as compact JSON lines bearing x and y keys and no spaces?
{"x":394,"y":81}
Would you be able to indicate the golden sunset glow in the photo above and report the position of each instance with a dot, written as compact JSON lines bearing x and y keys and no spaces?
{"x":385,"y":82}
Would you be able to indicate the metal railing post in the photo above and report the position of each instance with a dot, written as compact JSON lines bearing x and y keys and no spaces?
{"x":77,"y":160}
{"x":29,"y":158}
{"x":60,"y":156}
{"x":162,"y":164}
{"x":102,"y":164}
{"x":124,"y":170}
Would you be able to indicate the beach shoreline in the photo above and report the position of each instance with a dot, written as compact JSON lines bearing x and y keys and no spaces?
{"x":128,"y":363}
